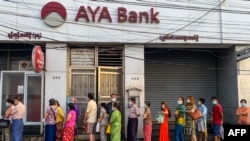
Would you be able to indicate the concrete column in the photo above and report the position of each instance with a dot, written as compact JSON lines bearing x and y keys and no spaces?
{"x":56,"y":73}
{"x":134,"y":78}
{"x":227,"y":86}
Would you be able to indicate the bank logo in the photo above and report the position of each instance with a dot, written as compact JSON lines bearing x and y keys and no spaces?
{"x":53,"y":14}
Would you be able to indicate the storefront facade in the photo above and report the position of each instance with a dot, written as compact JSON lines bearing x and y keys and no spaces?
{"x":151,"y":51}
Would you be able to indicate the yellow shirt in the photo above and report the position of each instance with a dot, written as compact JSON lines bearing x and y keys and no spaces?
{"x":92,"y":110}
{"x":60,"y":115}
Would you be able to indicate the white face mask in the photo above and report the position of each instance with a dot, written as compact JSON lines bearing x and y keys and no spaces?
{"x":129,"y":104}
{"x":162,"y":106}
{"x":113,"y":99}
{"x":179,"y":102}
{"x":199,"y":103}
{"x":188,"y":101}
{"x":214,"y":102}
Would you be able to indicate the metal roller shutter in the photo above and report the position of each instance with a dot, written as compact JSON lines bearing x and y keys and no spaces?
{"x":170,"y":74}
{"x":3,"y":60}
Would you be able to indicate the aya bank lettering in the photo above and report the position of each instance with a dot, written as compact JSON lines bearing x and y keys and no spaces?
{"x":123,"y":15}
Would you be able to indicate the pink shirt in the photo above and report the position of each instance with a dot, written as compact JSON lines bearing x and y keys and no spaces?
{"x":134,"y":112}
{"x":72,"y":121}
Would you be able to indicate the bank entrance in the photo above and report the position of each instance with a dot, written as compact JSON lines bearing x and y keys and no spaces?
{"x":96,"y":70}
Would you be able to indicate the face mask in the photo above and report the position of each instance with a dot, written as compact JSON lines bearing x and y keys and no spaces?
{"x":129,"y":104}
{"x":188,"y":101}
{"x":214,"y":102}
{"x":7,"y":104}
{"x":199,"y":103}
{"x":243,"y":104}
{"x":145,"y":106}
{"x":179,"y":102}
{"x":162,"y":106}
{"x":113,"y":99}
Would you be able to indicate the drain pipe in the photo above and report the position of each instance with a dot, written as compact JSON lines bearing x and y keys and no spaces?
{"x":221,"y":23}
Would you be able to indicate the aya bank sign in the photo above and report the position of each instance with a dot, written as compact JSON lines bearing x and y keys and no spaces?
{"x":54,"y":14}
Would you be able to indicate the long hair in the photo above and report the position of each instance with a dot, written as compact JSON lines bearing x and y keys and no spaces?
{"x":166,"y":106}
{"x":104,"y":105}
{"x":192,"y":101}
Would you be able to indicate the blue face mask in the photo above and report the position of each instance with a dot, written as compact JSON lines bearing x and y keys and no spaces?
{"x":243,"y":104}
{"x":7,"y":104}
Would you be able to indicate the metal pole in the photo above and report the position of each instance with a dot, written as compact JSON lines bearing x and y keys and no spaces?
{"x":42,"y":97}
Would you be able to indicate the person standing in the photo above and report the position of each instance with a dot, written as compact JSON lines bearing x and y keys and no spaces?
{"x":242,"y":113}
{"x":50,"y":121}
{"x":164,"y":134}
{"x":59,"y":121}
{"x":68,"y":131}
{"x":110,"y":108}
{"x":10,"y":107}
{"x":110,"y":105}
{"x":91,"y":116}
{"x":76,"y":108}
{"x":17,"y":116}
{"x":147,"y":122}
{"x":132,"y":126}
{"x":202,"y":122}
{"x":217,"y":118}
{"x":103,"y":121}
{"x":74,"y":101}
{"x":180,"y":120}
{"x":116,"y":124}
{"x":190,"y":123}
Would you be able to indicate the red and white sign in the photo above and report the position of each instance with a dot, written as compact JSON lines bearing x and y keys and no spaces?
{"x":37,"y":59}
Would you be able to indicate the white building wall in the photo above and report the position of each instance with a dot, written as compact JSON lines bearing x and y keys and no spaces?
{"x":235,"y":18}
{"x":186,"y":18}
{"x":134,"y":68}
{"x":244,"y":78}
{"x":56,"y":73}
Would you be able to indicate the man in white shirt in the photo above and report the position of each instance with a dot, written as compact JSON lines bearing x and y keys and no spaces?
{"x":91,"y":116}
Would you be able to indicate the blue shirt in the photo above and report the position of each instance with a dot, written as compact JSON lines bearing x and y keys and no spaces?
{"x":203,"y":110}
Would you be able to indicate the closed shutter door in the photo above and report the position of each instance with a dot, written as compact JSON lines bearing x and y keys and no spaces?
{"x":3,"y":61}
{"x":169,"y":75}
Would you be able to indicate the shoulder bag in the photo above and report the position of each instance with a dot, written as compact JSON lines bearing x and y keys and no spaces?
{"x":53,"y":113}
{"x":196,"y":114}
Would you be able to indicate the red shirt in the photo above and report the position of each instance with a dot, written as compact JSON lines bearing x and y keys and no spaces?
{"x":217,"y":114}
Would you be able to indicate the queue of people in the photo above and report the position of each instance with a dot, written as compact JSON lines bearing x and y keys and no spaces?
{"x":15,"y":113}
{"x":59,"y":127}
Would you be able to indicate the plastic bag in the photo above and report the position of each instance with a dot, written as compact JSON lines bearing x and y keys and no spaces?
{"x":97,"y":127}
{"x":222,"y":132}
{"x":160,"y":118}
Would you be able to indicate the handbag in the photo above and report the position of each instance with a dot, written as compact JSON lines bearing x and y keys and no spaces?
{"x":160,"y":118}
{"x":196,"y":114}
{"x":97,"y":127}
{"x":108,"y":130}
{"x":4,"y":123}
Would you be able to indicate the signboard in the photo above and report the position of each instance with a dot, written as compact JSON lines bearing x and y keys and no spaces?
{"x":243,"y":54}
{"x":25,"y":66}
{"x":37,"y":59}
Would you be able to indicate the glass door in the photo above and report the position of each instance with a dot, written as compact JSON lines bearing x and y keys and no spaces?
{"x":33,"y":98}
{"x":12,"y":86}
{"x":28,"y":86}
